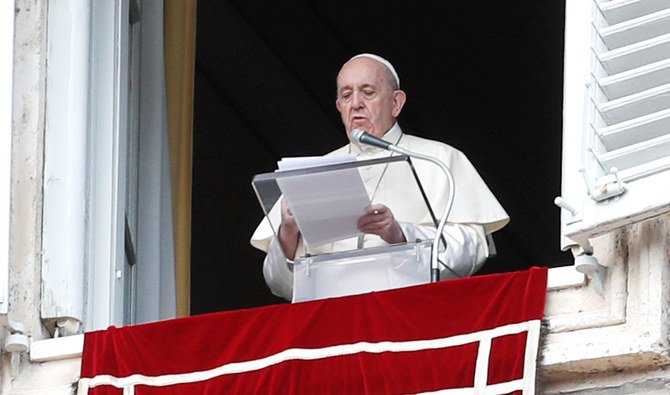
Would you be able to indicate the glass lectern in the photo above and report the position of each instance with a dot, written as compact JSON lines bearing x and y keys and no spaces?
{"x":337,"y":259}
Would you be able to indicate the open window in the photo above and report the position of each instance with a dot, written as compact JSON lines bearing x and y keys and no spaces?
{"x":108,"y":242}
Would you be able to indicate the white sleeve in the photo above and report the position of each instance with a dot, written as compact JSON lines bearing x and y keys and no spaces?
{"x":467,"y":247}
{"x":278,"y":272}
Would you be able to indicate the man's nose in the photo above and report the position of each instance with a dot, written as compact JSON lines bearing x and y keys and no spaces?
{"x":357,"y":100}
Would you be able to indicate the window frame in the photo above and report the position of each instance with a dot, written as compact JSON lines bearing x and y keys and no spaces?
{"x":106,"y":162}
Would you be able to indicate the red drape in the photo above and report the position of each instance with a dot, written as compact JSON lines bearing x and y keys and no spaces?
{"x":410,"y":340}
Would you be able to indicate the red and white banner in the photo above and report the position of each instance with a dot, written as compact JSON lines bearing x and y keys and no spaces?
{"x":477,"y":335}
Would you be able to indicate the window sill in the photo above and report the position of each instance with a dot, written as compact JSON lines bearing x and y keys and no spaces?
{"x":58,"y":348}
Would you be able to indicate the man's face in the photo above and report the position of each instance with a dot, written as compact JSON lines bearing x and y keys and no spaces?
{"x":365,"y":98}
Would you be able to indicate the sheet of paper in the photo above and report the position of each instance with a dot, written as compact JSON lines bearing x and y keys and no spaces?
{"x":326,"y":205}
{"x":302,"y":162}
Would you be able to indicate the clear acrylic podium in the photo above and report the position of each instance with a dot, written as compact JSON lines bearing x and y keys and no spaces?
{"x":343,"y":266}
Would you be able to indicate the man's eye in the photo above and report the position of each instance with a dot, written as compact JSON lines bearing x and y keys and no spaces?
{"x":369,"y":93}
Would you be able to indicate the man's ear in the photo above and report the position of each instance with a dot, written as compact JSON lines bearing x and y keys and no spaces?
{"x":337,"y":105}
{"x":399,"y":98}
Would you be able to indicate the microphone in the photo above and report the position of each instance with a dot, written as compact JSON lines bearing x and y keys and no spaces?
{"x":362,"y":137}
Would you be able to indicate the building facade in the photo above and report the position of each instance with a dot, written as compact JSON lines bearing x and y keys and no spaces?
{"x":87,"y":190}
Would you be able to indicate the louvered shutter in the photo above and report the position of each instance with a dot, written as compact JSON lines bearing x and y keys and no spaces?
{"x":616,"y":166}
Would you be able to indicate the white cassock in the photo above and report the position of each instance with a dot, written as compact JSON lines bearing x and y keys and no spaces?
{"x":475,"y":212}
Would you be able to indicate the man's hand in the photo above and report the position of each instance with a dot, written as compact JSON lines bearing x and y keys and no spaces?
{"x":289,"y":233}
{"x":378,"y":220}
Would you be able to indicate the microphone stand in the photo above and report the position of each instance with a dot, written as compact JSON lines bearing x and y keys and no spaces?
{"x":434,"y":266}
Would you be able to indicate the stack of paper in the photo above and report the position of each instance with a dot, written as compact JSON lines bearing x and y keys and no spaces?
{"x":326,"y":204}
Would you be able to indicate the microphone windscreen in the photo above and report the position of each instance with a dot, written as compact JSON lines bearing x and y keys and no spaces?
{"x":355,"y":135}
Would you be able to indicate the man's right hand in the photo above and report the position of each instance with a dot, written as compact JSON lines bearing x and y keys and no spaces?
{"x":289,"y":233}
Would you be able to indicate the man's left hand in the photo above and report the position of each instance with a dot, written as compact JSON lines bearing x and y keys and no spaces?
{"x":378,"y":220}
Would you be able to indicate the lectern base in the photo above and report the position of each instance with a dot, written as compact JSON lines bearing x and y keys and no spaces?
{"x":361,"y":271}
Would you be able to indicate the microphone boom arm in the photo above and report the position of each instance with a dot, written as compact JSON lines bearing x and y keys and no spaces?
{"x":434,"y":266}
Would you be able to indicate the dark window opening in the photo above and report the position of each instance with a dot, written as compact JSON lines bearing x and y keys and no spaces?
{"x":485,"y":77}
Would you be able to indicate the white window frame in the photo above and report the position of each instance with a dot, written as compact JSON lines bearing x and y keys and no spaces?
{"x":108,"y":150}
{"x":99,"y":149}
{"x":84,"y":173}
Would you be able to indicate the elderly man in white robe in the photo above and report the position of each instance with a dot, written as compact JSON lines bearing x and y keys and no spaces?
{"x":369,"y":98}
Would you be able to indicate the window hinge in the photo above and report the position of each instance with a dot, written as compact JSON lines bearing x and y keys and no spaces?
{"x":607,"y":186}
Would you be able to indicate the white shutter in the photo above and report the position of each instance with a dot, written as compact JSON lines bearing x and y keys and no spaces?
{"x":616,"y":166}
